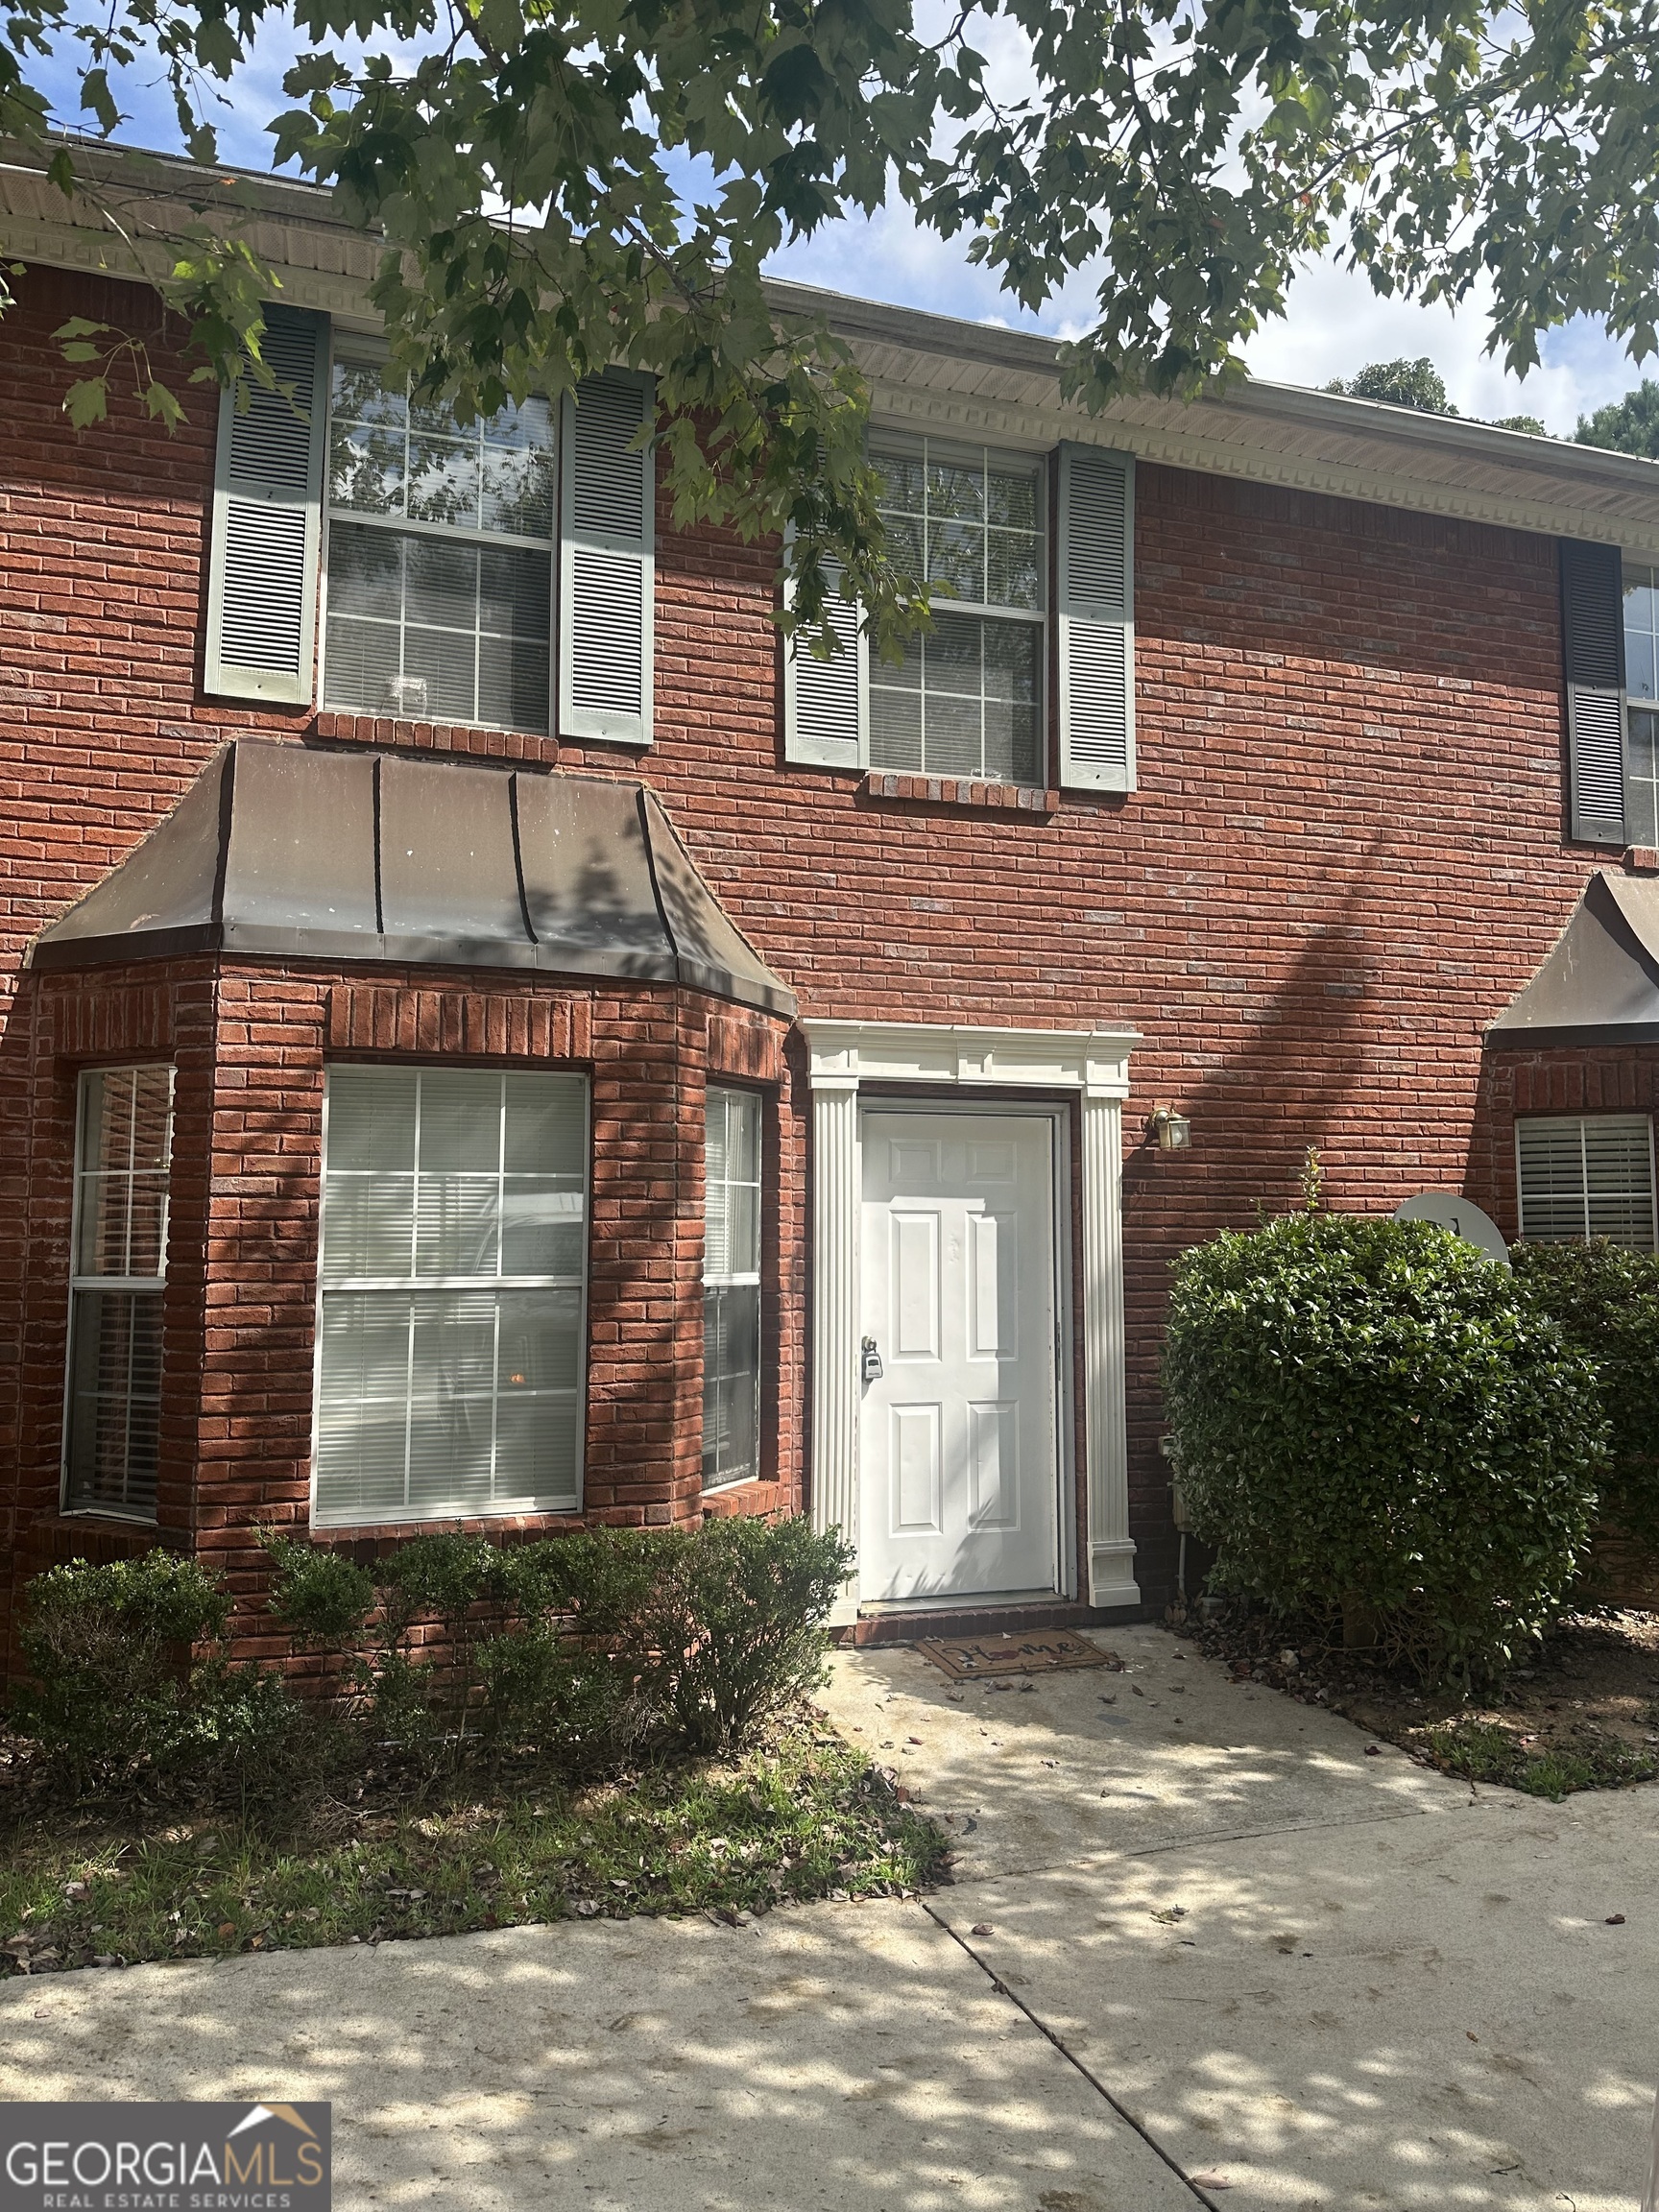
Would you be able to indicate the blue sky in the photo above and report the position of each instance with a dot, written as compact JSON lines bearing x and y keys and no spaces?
{"x":1334,"y":323}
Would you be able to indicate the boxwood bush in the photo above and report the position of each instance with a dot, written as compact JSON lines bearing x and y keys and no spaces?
{"x":1605,"y":1300}
{"x":1370,"y":1417}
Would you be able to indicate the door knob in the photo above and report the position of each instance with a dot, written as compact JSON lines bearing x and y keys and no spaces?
{"x":869,"y":1362}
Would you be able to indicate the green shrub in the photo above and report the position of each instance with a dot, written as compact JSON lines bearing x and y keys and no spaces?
{"x":130,"y":1680}
{"x":108,"y":1649}
{"x":1605,"y":1301}
{"x":733,"y":1631}
{"x":322,"y":1598}
{"x":1367,"y":1413}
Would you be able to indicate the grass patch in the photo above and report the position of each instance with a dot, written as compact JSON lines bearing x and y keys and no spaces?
{"x":1487,"y":1751}
{"x":807,"y":1817}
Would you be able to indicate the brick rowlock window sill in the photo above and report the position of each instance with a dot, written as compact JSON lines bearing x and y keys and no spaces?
{"x":954,"y":791}
{"x":435,"y":737}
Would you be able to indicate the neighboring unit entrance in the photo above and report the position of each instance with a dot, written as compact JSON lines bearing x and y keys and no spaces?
{"x":960,"y":1436}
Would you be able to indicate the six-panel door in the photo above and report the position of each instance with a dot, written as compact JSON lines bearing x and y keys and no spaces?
{"x":958,"y":1446}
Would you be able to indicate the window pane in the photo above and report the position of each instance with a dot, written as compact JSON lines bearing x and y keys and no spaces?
{"x":545,"y":1125}
{"x":513,"y":594}
{"x":731,"y":1384}
{"x":1011,"y":497}
{"x":366,"y":469}
{"x":956,"y":558}
{"x":1013,"y":576}
{"x":444,"y":481}
{"x":466,"y":1400}
{"x":114,"y":1401}
{"x":896,"y":730}
{"x":368,"y":1226}
{"x":518,"y":492}
{"x":371,"y":1119}
{"x":366,"y":572}
{"x":359,"y":392}
{"x":955,"y":493}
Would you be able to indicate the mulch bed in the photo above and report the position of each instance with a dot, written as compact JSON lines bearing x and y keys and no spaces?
{"x":1583,"y":1713}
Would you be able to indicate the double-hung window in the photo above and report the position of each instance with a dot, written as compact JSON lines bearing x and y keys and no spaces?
{"x":732,"y":1289}
{"x":123,"y":1149}
{"x":1587,"y":1176}
{"x":440,"y":557}
{"x":1641,"y":690}
{"x":451,"y":1327}
{"x":967,"y":701}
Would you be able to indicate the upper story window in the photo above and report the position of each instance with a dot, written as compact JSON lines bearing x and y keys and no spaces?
{"x":967,"y":699}
{"x":1641,"y":690}
{"x":440,"y":557}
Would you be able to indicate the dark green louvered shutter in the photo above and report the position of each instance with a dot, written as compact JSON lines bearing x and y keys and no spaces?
{"x":1593,"y":642}
{"x":268,"y":522}
{"x":607,"y":564}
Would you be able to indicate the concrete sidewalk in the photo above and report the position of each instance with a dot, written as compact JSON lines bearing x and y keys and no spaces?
{"x":1231,"y":1958}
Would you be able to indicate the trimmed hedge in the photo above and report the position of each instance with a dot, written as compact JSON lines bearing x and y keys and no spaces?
{"x":1605,"y":1301}
{"x":586,"y":1651}
{"x":1369,"y":1416}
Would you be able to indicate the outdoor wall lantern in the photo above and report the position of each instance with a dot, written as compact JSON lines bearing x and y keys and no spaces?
{"x":1173,"y":1131}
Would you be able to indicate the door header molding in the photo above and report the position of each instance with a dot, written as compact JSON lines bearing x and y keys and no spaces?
{"x":846,"y":1053}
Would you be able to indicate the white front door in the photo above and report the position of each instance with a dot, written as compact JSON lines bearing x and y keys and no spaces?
{"x":959,"y":1440}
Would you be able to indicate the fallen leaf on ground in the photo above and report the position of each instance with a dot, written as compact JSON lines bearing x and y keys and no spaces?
{"x":982,"y":1927}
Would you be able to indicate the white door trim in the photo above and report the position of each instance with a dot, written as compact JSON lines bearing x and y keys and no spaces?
{"x":1091,"y":1062}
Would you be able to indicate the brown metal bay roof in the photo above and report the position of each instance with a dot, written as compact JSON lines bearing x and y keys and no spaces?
{"x":1599,"y":983}
{"x":280,"y":850}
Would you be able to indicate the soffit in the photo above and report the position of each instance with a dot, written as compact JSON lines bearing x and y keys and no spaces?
{"x":963,"y":379}
{"x":284,"y":851}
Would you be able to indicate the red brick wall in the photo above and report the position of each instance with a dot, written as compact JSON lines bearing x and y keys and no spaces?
{"x":1345,"y":856}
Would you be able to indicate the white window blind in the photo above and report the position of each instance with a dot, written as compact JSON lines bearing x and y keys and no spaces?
{"x":732,"y":1289}
{"x":267,"y":520}
{"x":451,"y":1329}
{"x":440,"y":557}
{"x":123,"y":1152}
{"x":1587,"y":1176}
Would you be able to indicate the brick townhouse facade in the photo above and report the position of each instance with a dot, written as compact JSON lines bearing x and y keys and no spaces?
{"x":490,"y":1039}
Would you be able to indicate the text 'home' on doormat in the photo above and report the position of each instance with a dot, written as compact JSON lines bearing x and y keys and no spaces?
{"x":963,"y":1657}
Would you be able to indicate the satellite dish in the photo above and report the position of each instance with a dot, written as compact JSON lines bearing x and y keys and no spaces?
{"x":1460,"y":1217}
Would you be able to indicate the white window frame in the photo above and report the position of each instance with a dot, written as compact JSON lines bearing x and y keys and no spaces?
{"x":1581,"y":1122}
{"x":369,"y":350}
{"x":910,"y":445}
{"x":80,"y":1284}
{"x":743,"y":1279}
{"x":499,"y":1509}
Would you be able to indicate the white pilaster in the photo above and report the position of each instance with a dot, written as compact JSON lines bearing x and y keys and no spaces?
{"x":837,"y":1199}
{"x":1106,"y":1448}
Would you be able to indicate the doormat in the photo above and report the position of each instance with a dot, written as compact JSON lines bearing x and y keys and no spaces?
{"x":962,"y":1657}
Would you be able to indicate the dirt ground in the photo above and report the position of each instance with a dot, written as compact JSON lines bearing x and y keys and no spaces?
{"x":1583,"y":1714}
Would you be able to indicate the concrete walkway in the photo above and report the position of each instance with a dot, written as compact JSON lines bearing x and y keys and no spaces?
{"x":1201,"y":1948}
